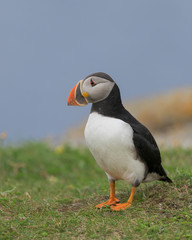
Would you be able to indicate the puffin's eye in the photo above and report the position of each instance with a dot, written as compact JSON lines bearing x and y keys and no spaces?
{"x":92,"y":83}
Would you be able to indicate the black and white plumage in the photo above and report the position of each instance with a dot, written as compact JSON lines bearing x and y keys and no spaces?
{"x":123,"y":147}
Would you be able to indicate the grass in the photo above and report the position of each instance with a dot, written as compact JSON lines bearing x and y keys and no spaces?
{"x":48,"y":194}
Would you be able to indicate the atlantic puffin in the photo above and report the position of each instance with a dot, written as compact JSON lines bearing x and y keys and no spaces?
{"x":123,"y":147}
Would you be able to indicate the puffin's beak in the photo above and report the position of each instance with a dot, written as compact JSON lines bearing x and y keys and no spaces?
{"x":75,"y":97}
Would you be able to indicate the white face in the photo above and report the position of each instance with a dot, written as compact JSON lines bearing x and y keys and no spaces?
{"x":97,"y":88}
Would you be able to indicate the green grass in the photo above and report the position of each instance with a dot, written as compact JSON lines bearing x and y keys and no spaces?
{"x":46,"y":194}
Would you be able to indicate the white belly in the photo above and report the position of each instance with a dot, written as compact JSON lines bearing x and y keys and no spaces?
{"x":110,"y":142}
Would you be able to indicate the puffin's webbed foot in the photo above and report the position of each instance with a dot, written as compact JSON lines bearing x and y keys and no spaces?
{"x":111,"y":201}
{"x":123,"y":206}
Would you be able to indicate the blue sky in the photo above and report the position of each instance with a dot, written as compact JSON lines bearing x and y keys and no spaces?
{"x":47,"y":46}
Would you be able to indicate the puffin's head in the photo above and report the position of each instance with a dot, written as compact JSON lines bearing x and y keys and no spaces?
{"x":94,"y":88}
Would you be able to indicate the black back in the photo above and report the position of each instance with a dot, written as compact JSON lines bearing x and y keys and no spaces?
{"x":145,"y":144}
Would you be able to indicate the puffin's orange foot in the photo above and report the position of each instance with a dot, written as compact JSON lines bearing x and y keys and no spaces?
{"x":121,"y":206}
{"x":108,"y":203}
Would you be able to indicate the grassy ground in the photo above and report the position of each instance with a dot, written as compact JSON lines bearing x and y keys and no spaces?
{"x":48,"y":194}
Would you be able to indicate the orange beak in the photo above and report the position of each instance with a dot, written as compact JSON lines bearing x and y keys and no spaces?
{"x":75,"y":97}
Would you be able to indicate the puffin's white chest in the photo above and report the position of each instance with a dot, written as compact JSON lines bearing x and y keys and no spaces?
{"x":110,"y":142}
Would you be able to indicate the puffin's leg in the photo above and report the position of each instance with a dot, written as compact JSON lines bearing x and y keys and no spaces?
{"x":123,"y":206}
{"x":112,"y":200}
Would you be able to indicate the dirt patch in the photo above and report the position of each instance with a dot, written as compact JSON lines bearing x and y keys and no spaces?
{"x":75,"y":206}
{"x":5,"y":212}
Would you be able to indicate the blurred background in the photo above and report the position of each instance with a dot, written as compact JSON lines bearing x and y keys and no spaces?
{"x":47,"y":46}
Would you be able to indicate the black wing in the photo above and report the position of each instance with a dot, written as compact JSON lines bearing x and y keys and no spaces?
{"x":145,"y":145}
{"x":147,"y":149}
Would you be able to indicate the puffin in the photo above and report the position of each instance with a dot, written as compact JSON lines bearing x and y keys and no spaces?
{"x":123,"y":147}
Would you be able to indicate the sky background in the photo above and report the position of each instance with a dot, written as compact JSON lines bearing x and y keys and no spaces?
{"x":46,"y":47}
